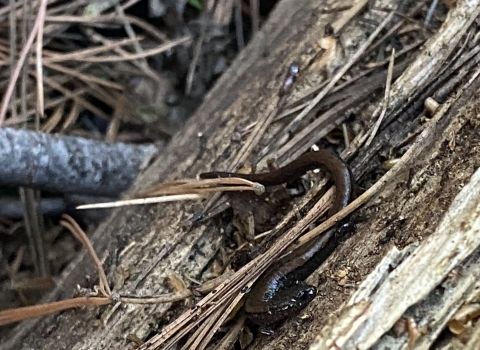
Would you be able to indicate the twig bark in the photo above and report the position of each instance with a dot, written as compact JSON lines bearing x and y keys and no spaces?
{"x":66,"y":164}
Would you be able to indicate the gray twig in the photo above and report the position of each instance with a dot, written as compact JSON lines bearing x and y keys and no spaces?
{"x":68,"y":164}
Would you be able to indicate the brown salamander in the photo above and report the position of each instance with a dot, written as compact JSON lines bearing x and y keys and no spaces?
{"x":281,"y":290}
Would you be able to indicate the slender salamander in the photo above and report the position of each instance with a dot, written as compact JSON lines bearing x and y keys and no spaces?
{"x":281,"y":290}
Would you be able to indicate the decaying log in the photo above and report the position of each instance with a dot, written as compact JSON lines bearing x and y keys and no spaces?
{"x":422,"y":207}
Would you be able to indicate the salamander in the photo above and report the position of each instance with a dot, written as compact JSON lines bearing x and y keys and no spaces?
{"x":281,"y":290}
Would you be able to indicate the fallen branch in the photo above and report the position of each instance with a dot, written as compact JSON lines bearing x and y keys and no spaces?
{"x":68,"y":164}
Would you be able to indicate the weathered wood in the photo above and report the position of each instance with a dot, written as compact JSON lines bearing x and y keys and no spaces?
{"x":419,"y":284}
{"x":152,"y":241}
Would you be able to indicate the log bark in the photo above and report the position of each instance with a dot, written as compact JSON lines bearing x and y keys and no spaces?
{"x":152,"y":241}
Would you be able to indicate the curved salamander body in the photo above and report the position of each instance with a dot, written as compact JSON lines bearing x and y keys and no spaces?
{"x":281,"y":292}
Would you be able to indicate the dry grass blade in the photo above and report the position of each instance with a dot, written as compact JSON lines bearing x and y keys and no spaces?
{"x":397,"y":26}
{"x":255,"y":136}
{"x":230,"y":305}
{"x":83,"y":55}
{"x":127,"y":26}
{"x":232,"y":335}
{"x":33,"y":229}
{"x":182,"y":190}
{"x":259,"y":130}
{"x":105,"y":19}
{"x":89,"y":55}
{"x":87,"y":78}
{"x":54,"y":120}
{"x":202,"y":186}
{"x":13,"y":50}
{"x":140,"y":201}
{"x":33,"y":284}
{"x":38,"y":61}
{"x":160,"y":299}
{"x":78,"y":99}
{"x":72,"y":116}
{"x":18,"y":67}
{"x":23,"y":313}
{"x":69,"y":223}
{"x":400,"y":53}
{"x":140,"y":63}
{"x":203,"y":330}
{"x":385,"y":99}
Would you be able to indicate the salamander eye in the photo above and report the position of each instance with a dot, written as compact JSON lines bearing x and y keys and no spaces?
{"x":307,"y":293}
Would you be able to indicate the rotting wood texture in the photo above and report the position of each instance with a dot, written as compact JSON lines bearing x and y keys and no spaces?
{"x":152,"y":241}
